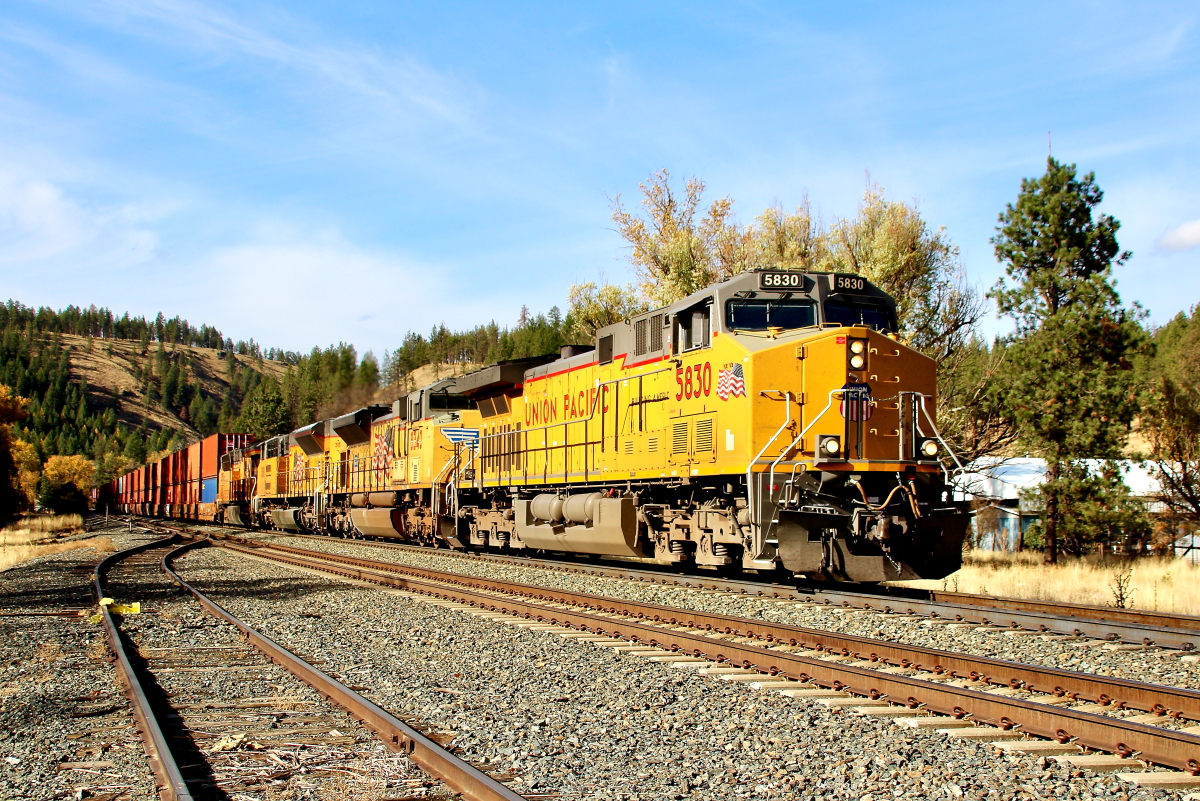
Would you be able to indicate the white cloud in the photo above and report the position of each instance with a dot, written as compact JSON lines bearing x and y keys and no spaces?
{"x":40,"y":221}
{"x":1185,"y":237}
{"x":298,"y":290}
{"x":401,"y":86}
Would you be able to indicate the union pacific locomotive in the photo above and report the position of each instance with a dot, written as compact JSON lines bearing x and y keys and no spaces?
{"x":771,"y":422}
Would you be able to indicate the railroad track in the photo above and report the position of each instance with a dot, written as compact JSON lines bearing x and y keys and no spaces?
{"x":965,"y":695}
{"x":1132,"y":626}
{"x":205,"y":742}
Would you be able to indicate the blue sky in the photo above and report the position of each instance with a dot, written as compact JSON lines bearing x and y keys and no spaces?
{"x":307,"y":173}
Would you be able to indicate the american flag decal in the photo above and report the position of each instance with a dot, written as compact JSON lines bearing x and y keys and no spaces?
{"x":731,"y":382}
{"x":381,"y":461}
{"x":856,"y":402}
{"x":299,"y":463}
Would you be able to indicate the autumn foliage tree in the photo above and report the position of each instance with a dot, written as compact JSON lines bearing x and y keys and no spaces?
{"x":593,"y":307}
{"x":12,"y":410}
{"x":65,"y":482}
{"x":678,"y":245}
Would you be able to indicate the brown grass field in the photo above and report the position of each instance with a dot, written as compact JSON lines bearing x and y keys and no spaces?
{"x":39,"y":535}
{"x":1164,"y":585}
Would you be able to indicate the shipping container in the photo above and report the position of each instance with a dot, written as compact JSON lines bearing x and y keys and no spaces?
{"x":208,"y":491}
{"x":193,"y":460}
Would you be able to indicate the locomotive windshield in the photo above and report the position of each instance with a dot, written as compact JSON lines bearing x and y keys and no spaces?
{"x":759,"y":314}
{"x":859,"y":314}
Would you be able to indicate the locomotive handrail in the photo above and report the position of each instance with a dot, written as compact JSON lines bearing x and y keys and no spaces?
{"x":800,"y":436}
{"x":564,"y":423}
{"x":940,"y":438}
{"x":591,"y":414}
{"x":433,"y":495}
{"x":787,"y":396}
{"x":807,"y":428}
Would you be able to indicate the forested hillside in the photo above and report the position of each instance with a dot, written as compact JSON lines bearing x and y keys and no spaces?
{"x":113,"y":399}
{"x":118,"y":390}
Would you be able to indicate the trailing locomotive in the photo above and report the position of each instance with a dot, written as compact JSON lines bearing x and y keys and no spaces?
{"x":773,"y":421}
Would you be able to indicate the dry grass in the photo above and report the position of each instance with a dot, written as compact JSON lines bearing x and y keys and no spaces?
{"x":39,"y":528}
{"x":40,"y":535}
{"x":1166,"y":585}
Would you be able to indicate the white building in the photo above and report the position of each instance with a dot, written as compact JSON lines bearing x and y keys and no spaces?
{"x":1002,"y":483}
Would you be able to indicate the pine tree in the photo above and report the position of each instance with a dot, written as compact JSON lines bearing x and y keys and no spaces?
{"x":264,"y":414}
{"x":1070,"y":378}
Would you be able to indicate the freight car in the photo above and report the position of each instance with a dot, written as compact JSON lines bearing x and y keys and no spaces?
{"x":182,"y":484}
{"x":771,"y":422}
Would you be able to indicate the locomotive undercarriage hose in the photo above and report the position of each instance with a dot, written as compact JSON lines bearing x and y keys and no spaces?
{"x":909,"y":493}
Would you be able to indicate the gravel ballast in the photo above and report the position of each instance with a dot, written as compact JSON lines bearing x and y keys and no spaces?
{"x":254,"y":730}
{"x":1156,"y":665}
{"x":65,"y":726}
{"x":580,"y":721}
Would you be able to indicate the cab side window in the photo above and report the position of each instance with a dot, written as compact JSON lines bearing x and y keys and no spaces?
{"x":693,"y":328}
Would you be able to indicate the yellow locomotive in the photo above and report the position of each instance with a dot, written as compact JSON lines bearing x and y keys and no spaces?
{"x":773,"y":421}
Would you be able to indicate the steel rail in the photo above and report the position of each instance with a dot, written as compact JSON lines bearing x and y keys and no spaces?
{"x":1139,"y":617}
{"x":1120,"y":693}
{"x":456,"y":773}
{"x":1180,"y":632}
{"x":168,"y":777}
{"x":1136,"y":626}
{"x":1099,"y":622}
{"x":1115,"y":735}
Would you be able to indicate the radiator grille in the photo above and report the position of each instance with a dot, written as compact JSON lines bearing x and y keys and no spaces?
{"x":704,"y":435}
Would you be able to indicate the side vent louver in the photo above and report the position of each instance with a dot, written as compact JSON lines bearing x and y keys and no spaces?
{"x":679,"y":438}
{"x":656,"y":332}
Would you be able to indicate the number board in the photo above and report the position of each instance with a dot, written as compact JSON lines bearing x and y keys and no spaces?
{"x":849,"y":283}
{"x":781,"y":280}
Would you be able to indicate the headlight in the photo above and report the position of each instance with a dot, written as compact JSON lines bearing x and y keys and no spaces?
{"x":930,"y":448}
{"x":857,"y":361}
{"x":832,"y":446}
{"x":857,"y":346}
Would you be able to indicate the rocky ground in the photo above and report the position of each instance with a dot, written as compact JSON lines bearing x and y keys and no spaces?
{"x":573,"y":720}
{"x":65,"y":726}
{"x":1158,"y":665}
{"x":297,"y":746}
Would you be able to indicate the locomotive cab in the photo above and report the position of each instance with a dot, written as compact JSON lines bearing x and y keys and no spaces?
{"x":845,"y":482}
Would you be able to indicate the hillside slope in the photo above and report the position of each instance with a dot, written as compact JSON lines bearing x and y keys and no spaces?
{"x":113,"y":370}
